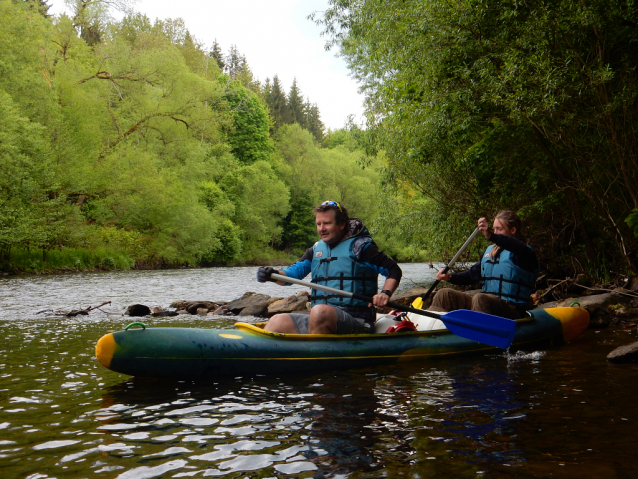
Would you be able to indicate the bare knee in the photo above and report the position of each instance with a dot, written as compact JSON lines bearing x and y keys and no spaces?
{"x":280,"y":323}
{"x":323,"y":320}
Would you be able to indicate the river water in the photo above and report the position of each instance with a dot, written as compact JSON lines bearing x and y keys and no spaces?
{"x":561,"y":413}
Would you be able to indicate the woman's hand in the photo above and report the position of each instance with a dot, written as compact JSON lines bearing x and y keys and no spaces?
{"x":441,"y":276}
{"x":484,"y":227}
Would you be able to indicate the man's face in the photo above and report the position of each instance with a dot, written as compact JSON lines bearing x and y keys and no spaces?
{"x":329,"y":231}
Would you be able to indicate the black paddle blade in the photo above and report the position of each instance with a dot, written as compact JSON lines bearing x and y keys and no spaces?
{"x":484,"y":328}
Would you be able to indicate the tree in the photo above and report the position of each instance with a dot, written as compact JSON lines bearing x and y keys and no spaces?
{"x":524,"y":105}
{"x":216,"y":53}
{"x":277,"y":103}
{"x":89,"y":16}
{"x":261,"y":201}
{"x":249,"y":135}
{"x":314,"y":123}
{"x":33,"y":213}
{"x":235,"y":62}
{"x":296,"y":106}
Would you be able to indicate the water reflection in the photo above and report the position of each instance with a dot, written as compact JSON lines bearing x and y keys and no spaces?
{"x":246,"y":425}
{"x":560,"y":413}
{"x":322,"y":426}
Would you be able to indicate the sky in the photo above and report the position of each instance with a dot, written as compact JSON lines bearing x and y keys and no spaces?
{"x":276,"y":37}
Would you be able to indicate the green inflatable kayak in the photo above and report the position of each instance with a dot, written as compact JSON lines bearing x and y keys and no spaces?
{"x":248,"y":349}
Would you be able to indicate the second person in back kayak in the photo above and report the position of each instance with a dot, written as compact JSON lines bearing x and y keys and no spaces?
{"x":508,"y":269}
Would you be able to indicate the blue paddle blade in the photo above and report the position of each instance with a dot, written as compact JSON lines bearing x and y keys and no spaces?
{"x":481,"y":327}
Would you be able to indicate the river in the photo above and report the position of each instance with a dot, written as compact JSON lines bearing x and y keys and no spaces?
{"x":561,"y":413}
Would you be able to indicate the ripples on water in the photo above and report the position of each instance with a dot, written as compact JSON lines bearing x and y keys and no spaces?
{"x":557,"y":413}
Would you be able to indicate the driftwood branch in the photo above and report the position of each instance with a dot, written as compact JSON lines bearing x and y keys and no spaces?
{"x":624,"y":293}
{"x":552,"y":289}
{"x":75,"y":312}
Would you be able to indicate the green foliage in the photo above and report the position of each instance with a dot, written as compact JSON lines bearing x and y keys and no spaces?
{"x":339,"y":137}
{"x":632,"y":221}
{"x":479,"y":106}
{"x":103,"y":258}
{"x":249,"y":137}
{"x":287,"y":110}
{"x":229,"y":246}
{"x":299,"y":230}
{"x":126,"y":143}
{"x":261,"y":201}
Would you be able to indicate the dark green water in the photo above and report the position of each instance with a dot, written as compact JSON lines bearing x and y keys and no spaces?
{"x":559,"y":413}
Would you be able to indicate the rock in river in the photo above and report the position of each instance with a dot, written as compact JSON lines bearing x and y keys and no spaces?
{"x":137,"y":310}
{"x":248,"y":299}
{"x":624,"y":354}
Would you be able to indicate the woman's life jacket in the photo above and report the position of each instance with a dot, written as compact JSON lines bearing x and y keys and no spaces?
{"x":502,"y":278}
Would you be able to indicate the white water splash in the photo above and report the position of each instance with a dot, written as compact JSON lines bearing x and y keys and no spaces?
{"x":523,"y":356}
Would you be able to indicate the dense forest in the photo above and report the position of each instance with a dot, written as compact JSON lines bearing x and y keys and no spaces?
{"x":131,"y":144}
{"x":519,"y":104}
{"x":128,"y":143}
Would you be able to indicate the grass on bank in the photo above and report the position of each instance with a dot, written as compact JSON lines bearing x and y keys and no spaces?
{"x":31,"y":261}
{"x":104,"y":258}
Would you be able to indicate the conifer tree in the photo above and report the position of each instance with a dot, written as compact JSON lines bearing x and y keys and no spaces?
{"x":235,"y":62}
{"x":313,"y":122}
{"x":296,"y":105}
{"x":217,"y":54}
{"x":276,"y":101}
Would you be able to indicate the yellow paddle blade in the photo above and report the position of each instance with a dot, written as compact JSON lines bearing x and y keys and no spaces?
{"x":417,"y":303}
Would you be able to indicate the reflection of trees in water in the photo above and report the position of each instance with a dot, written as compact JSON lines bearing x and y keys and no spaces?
{"x":463,"y":412}
{"x":341,"y":414}
{"x":337,"y":424}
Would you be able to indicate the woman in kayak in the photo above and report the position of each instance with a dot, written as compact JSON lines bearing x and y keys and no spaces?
{"x":508,"y":269}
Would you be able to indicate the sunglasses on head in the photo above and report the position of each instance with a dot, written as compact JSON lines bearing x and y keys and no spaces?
{"x":332,"y":203}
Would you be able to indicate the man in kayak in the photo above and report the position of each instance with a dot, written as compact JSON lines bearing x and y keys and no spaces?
{"x":344,"y":258}
{"x":508,"y":270}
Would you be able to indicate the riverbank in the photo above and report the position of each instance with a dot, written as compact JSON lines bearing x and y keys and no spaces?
{"x":83,"y":260}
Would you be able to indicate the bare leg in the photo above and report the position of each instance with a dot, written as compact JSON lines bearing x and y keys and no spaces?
{"x":323,"y":320}
{"x":281,"y":323}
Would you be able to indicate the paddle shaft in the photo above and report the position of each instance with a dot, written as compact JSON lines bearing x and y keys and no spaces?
{"x":348,"y":294}
{"x":451,"y":263}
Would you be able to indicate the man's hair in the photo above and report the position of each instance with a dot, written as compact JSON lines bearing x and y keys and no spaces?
{"x":341,"y":214}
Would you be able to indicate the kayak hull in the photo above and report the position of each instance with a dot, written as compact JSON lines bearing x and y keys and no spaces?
{"x":247,"y":349}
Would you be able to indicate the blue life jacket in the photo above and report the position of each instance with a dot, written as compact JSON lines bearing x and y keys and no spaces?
{"x":502,"y":278}
{"x":339,"y":267}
